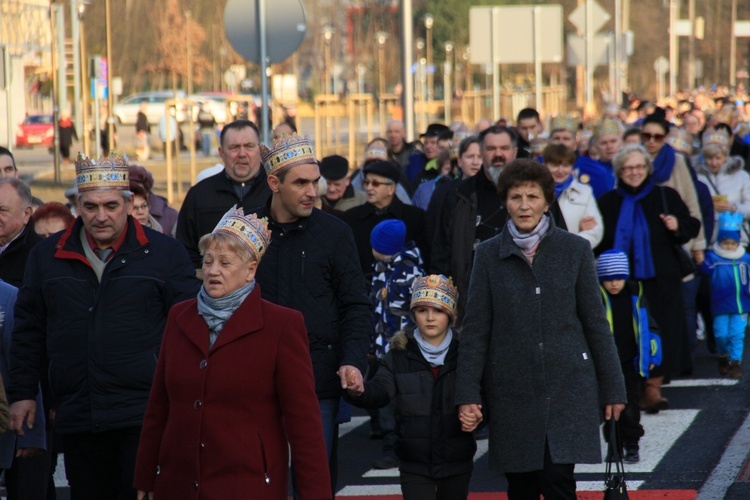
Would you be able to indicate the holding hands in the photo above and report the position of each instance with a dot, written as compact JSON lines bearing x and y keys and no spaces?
{"x":351,"y":380}
{"x":470,"y":416}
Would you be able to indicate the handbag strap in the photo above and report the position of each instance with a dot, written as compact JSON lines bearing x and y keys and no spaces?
{"x":614,"y":454}
{"x":663,"y":201}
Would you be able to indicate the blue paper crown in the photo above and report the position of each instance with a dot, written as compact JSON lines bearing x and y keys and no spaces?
{"x":729,"y":221}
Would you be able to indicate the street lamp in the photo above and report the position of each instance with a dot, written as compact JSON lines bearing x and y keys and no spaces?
{"x":447,"y":93}
{"x":428,"y":22}
{"x":83,"y":82}
{"x":327,"y":37}
{"x":381,"y":37}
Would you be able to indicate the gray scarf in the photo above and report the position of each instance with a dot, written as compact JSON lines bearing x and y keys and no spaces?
{"x":528,"y":242}
{"x":435,"y":355}
{"x":216,"y":311}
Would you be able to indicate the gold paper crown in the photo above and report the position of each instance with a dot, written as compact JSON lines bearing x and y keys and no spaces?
{"x":565,"y":122}
{"x":105,"y":173}
{"x":537,"y":145}
{"x":608,"y":126}
{"x":249,"y":231}
{"x":726,"y":114}
{"x":376,"y":151}
{"x":437,"y":291}
{"x":681,"y":140}
{"x":289,"y":151}
{"x":715,"y":137}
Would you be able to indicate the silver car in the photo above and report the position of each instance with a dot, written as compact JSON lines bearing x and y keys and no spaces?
{"x":126,"y":111}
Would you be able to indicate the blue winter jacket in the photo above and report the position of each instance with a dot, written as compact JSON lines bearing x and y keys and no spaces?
{"x":729,"y":283}
{"x":648,"y":341}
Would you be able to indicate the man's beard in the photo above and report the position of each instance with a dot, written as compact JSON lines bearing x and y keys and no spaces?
{"x":495,"y":172}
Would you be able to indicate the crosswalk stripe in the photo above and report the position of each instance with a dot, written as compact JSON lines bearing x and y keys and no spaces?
{"x":702,"y":382}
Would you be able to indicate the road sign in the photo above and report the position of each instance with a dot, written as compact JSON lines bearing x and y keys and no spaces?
{"x":661,"y":65}
{"x":599,"y":16}
{"x":742,"y":28}
{"x":285,"y":28}
{"x":577,"y":49}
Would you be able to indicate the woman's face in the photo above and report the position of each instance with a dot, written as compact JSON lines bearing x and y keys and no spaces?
{"x":432,"y":323}
{"x":653,"y":137}
{"x":715,"y":162}
{"x":634,"y":171}
{"x":140,"y":209}
{"x":224,"y":271}
{"x":560,"y":172}
{"x":526,"y":206}
{"x":471,"y":161}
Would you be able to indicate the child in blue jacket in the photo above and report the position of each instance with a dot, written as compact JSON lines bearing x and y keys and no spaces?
{"x":728,"y":266}
{"x":638,"y":344}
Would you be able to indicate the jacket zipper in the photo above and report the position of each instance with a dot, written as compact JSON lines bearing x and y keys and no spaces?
{"x":737,"y":287}
{"x":303,"y":264}
{"x":266,"y":479}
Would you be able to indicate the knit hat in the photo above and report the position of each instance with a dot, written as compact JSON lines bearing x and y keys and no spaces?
{"x":730,"y":225}
{"x":105,"y":173}
{"x":334,"y":167}
{"x":388,"y":237}
{"x":249,"y":231}
{"x":613,"y":265}
{"x":287,"y":152}
{"x":386,"y":169}
{"x":435,"y":291}
{"x":142,"y":176}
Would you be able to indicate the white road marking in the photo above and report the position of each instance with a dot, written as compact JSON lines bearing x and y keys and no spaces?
{"x":729,"y":466}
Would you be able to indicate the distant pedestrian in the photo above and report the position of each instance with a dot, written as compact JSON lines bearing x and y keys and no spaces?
{"x":67,"y":134}
{"x":207,"y":126}
{"x":142,"y":131}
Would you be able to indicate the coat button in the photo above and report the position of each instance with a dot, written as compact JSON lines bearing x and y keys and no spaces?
{"x":330,"y":346}
{"x":197,"y":404}
{"x":195,"y":485}
{"x":202,"y":447}
{"x":91,"y":308}
{"x":541,"y":346}
{"x":145,"y":251}
{"x":203,"y":364}
{"x":123,"y":261}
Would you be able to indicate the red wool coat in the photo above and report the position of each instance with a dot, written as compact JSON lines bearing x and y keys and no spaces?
{"x":218,"y":422}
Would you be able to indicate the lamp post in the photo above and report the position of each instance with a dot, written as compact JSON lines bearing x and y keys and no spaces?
{"x":381,"y":37}
{"x":110,"y":68}
{"x":467,"y":69}
{"x":327,"y":37}
{"x":82,"y":4}
{"x":189,"y":68}
{"x":447,"y":93}
{"x":428,"y":22}
{"x":418,"y":79}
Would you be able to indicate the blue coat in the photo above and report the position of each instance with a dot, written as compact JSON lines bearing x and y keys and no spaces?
{"x":729,"y":283}
{"x":600,"y":176}
{"x":32,"y":438}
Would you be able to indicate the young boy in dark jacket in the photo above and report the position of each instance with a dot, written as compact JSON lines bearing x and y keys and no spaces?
{"x":638,"y":345}
{"x":418,"y":373}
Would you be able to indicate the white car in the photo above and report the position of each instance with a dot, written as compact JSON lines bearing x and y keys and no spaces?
{"x":215,"y":103}
{"x":126,"y":111}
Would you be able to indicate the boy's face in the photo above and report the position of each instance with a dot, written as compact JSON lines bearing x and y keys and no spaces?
{"x":729,"y":245}
{"x":432,"y":323}
{"x":614,"y":286}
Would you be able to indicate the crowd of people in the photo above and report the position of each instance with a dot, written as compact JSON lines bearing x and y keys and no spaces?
{"x":522,"y":282}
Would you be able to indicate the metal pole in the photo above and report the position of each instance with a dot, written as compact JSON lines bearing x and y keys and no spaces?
{"x":76,"y":37}
{"x":56,"y":14}
{"x":691,"y":45}
{"x":263,"y":68}
{"x":110,"y":68}
{"x":8,"y":100}
{"x":84,"y":96}
{"x":189,"y":68}
{"x":733,"y":47}
{"x":447,"y":92}
{"x":618,"y":53}
{"x":168,"y":145}
{"x":673,"y":41}
{"x":589,"y":52}
{"x":494,"y":69}
{"x":430,"y":66}
{"x":407,"y":98}
{"x":612,"y":66}
{"x":538,"y":59}
{"x":381,"y":84}
{"x":98,"y":119}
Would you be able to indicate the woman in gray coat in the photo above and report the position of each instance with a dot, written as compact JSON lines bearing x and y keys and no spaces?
{"x":536,"y":346}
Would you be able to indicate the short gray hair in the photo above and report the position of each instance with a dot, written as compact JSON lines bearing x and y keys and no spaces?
{"x":625,"y":152}
{"x":23,"y":189}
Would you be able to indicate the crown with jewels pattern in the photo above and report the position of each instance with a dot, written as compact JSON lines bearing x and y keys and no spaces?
{"x":726,"y":114}
{"x":681,"y":140}
{"x":565,"y":122}
{"x":250,"y":231}
{"x":608,"y":126}
{"x":289,"y":151}
{"x":715,"y":137}
{"x":436,"y":291}
{"x":109,"y":172}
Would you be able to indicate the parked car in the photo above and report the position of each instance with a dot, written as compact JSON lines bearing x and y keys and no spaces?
{"x":126,"y":111}
{"x":36,"y":130}
{"x":215,"y":102}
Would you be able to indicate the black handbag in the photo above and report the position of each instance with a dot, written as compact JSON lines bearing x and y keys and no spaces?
{"x":614,"y":480}
{"x":685,"y":262}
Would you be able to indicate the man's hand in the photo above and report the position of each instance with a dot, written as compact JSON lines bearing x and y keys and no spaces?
{"x":351,"y":379}
{"x":29,"y":452}
{"x":470,"y":416}
{"x":20,"y":412}
{"x":699,"y":256}
{"x":613,"y":411}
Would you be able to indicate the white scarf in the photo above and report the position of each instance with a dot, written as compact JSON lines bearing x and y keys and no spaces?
{"x":725,"y":254}
{"x":435,"y":355}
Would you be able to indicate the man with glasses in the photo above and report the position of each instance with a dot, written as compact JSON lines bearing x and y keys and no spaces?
{"x":599,"y":174}
{"x":242,"y":183}
{"x":382,"y":203}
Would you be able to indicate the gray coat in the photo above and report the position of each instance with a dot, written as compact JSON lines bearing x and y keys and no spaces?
{"x":536,"y":344}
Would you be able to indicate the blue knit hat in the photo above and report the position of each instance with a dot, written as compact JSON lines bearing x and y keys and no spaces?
{"x":730,"y":225}
{"x":613,"y":265}
{"x":388,"y":237}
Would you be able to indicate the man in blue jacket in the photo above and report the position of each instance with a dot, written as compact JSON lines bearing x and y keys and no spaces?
{"x":93,"y":308}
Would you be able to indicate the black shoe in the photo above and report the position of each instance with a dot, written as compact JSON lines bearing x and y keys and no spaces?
{"x":385,"y":462}
{"x":631,"y":455}
{"x":724,"y":365}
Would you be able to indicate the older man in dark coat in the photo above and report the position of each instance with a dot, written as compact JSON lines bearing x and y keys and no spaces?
{"x":17,"y":235}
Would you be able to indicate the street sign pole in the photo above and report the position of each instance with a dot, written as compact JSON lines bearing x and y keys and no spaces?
{"x":263,"y":67}
{"x":7,"y":72}
{"x":538,"y":59}
{"x":494,"y":69}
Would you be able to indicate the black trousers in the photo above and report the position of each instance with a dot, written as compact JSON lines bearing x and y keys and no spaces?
{"x":100,"y":465}
{"x":416,"y":487}
{"x":29,"y":478}
{"x":555,"y":482}
{"x":631,"y":429}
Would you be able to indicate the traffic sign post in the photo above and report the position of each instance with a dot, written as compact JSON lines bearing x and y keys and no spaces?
{"x":589,"y":17}
{"x":661,"y":66}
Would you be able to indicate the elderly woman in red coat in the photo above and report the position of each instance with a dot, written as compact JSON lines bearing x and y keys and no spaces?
{"x":233,"y":385}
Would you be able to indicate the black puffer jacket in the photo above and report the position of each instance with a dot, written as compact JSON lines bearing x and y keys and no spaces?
{"x":312,"y":266}
{"x":209,"y":200}
{"x":101,"y":339}
{"x":430,"y":440}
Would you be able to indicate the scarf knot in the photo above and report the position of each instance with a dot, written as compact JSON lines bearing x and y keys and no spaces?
{"x":632,"y":235}
{"x":216,"y":311}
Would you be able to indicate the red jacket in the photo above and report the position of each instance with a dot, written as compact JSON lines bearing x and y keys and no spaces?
{"x":218,"y":422}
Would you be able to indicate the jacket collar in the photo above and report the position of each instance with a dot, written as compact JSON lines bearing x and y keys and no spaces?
{"x":23,"y":238}
{"x":396,"y":208}
{"x":69,"y":245}
{"x":248,"y":318}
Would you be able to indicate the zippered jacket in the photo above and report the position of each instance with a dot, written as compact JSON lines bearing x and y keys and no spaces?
{"x":729,"y":283}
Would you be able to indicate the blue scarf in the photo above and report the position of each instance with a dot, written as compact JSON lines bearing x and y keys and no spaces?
{"x":216,"y":311}
{"x":663,"y":164}
{"x":632,"y":234}
{"x":435,"y":355}
{"x":562,"y":186}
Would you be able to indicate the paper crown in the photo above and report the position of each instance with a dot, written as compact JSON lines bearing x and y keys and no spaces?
{"x":537,"y":145}
{"x":726,"y":114}
{"x":377,"y":151}
{"x":437,"y":291}
{"x":458,"y":136}
{"x":289,"y":151}
{"x":681,"y":140}
{"x":249,"y":231}
{"x":611,"y":109}
{"x":608,"y":126}
{"x":715,"y":137}
{"x":730,"y":221}
{"x":565,"y":122}
{"x":105,"y":173}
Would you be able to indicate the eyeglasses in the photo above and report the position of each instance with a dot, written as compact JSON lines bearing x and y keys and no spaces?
{"x":376,"y":184}
{"x":138,"y":208}
{"x":646,"y":137}
{"x":634,"y":168}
